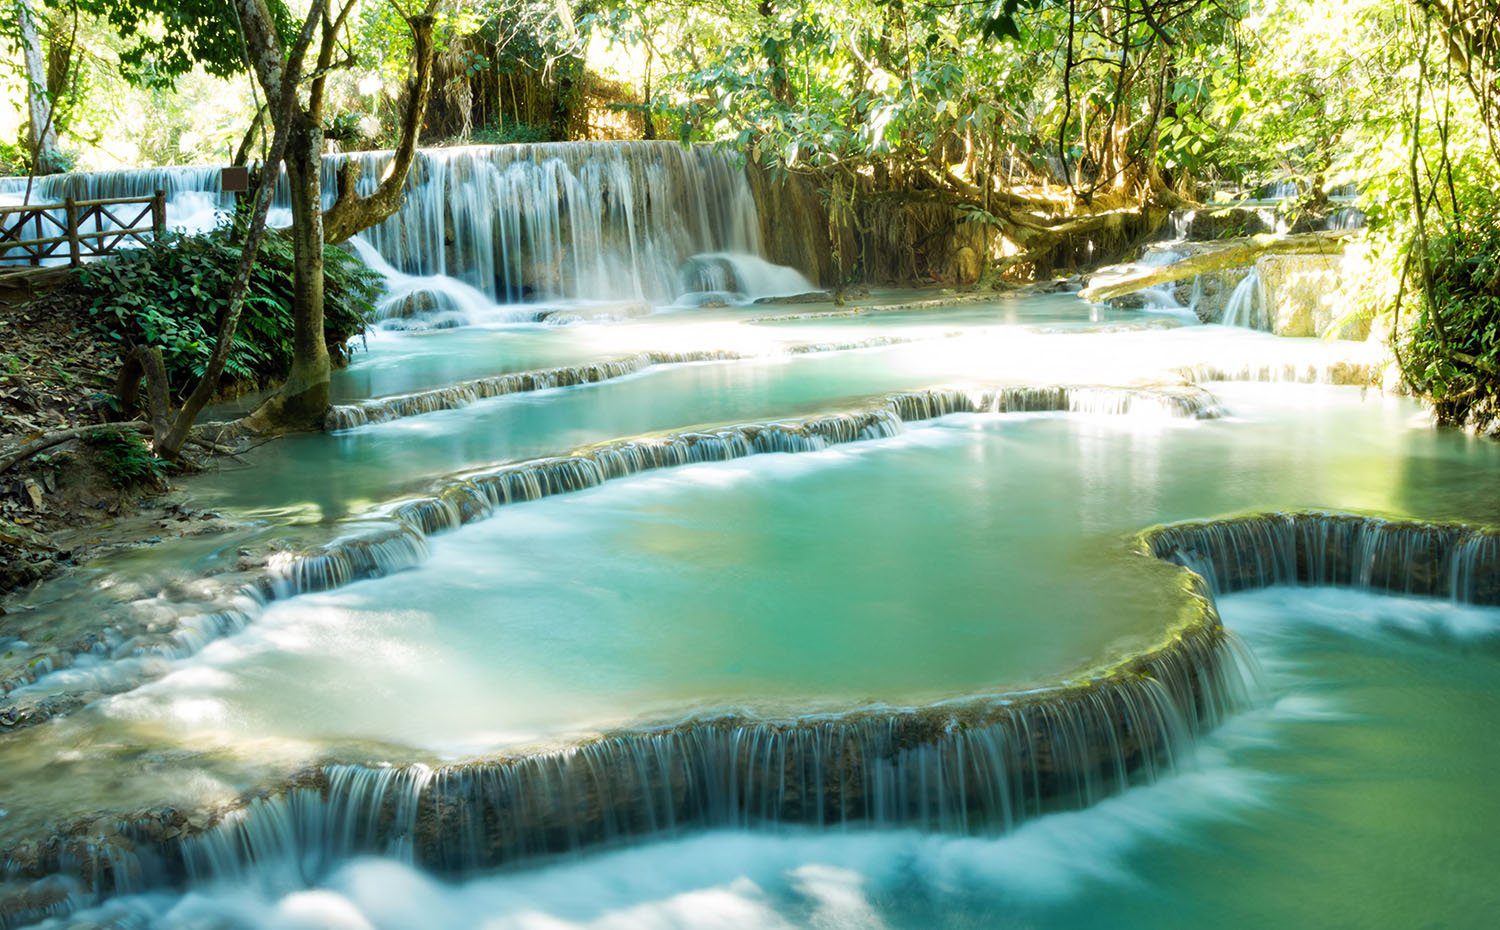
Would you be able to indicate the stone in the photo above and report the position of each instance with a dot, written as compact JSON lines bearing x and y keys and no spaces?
{"x":1304,"y":296}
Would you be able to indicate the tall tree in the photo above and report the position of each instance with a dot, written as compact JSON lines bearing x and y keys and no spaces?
{"x":172,"y":36}
{"x":303,"y":398}
{"x":41,"y":127}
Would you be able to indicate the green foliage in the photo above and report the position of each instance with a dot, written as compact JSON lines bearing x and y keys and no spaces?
{"x":511,"y":131}
{"x":168,"y":38}
{"x":1451,"y":351}
{"x":170,"y":295}
{"x":125,"y":458}
{"x":344,"y":128}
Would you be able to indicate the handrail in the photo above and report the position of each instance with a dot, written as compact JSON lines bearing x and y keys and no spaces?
{"x":111,"y":227}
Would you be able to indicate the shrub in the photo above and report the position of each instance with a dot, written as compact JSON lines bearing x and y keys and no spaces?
{"x":170,"y":294}
{"x":1451,"y":350}
{"x":126,"y":459}
{"x":511,"y":131}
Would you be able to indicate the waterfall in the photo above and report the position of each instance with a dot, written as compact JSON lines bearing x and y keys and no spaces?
{"x":616,"y":220}
{"x":979,"y":766}
{"x":1161,"y":296}
{"x":222,"y":605}
{"x":1247,"y":304}
{"x":1399,"y":557}
{"x":1346,"y":217}
{"x":510,"y":223}
{"x":1278,"y":190}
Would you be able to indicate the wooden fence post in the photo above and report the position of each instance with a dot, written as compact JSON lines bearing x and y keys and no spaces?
{"x":159,"y":214}
{"x":75,"y":249}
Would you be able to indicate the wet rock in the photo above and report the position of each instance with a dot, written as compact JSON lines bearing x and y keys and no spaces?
{"x":1226,"y":223}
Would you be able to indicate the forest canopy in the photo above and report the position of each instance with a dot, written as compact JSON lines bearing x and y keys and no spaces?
{"x":1024,"y":122}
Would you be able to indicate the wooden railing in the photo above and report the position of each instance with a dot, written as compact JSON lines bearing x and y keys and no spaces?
{"x":63,"y":229}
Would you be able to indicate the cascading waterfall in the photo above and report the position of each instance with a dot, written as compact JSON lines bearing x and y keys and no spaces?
{"x":1161,"y":296}
{"x":614,"y":220}
{"x":1400,"y":557}
{"x":1346,"y":217}
{"x":1278,"y":190}
{"x":1340,"y":371}
{"x":385,"y":409}
{"x":399,"y":541}
{"x":1247,"y":304}
{"x":975,"y":767}
{"x":978,"y":766}
{"x":455,"y":396}
{"x":547,"y":221}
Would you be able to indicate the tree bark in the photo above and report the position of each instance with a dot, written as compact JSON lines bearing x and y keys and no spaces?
{"x":303,"y":398}
{"x":351,"y":213}
{"x":267,"y":62}
{"x":41,"y":132}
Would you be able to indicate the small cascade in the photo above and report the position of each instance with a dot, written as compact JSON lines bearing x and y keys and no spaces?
{"x":1399,"y":557}
{"x":288,"y":840}
{"x":1341,"y":371}
{"x":427,"y":302}
{"x":1181,"y":222}
{"x":975,"y":767}
{"x":385,"y":409}
{"x":1278,"y":190}
{"x":368,"y":555}
{"x":1161,"y":296}
{"x":730,"y":278}
{"x":1247,"y":304}
{"x":227,"y":604}
{"x":1346,"y":217}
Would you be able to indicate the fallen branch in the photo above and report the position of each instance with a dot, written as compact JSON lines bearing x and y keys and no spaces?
{"x":26,"y":451}
{"x":1230,"y":253}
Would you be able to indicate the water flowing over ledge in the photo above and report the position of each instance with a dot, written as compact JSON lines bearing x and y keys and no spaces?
{"x":1338,"y":371}
{"x":977,"y":765}
{"x":476,"y":495}
{"x":399,"y":540}
{"x":456,"y":396}
{"x":1449,"y":560}
{"x":385,"y":409}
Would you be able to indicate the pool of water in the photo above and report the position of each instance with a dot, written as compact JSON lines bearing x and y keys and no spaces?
{"x":971,"y":554}
{"x":1357,"y":793}
{"x":976,"y":553}
{"x":376,"y":462}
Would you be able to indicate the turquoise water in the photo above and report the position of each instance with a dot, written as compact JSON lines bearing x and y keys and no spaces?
{"x":971,"y":554}
{"x":1358,"y":794}
{"x":979,"y":553}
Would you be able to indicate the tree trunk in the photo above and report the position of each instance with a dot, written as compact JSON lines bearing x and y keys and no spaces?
{"x":304,"y":396}
{"x":41,"y":131}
